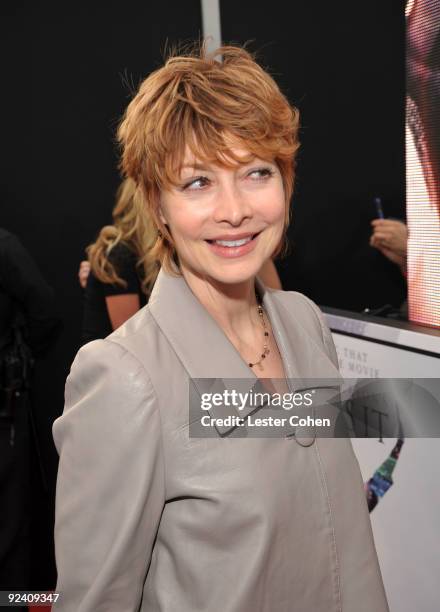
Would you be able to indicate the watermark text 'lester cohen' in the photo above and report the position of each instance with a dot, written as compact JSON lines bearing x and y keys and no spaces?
{"x":235,"y":421}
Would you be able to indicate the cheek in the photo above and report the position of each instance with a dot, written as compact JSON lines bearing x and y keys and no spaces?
{"x":184,"y":217}
{"x":273,"y":207}
{"x":187,"y":223}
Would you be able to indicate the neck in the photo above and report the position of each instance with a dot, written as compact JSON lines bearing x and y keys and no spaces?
{"x":233,"y":306}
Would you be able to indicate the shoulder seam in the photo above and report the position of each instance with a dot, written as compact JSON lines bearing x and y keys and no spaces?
{"x":157,"y":400}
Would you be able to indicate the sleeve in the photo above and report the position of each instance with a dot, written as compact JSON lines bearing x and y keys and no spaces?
{"x":110,"y":487}
{"x":124,"y":262}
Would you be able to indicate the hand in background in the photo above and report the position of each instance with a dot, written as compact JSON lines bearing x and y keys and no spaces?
{"x":390,"y":237}
{"x":83,"y":273}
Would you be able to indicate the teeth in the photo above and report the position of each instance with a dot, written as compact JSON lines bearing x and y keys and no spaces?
{"x":233,"y":243}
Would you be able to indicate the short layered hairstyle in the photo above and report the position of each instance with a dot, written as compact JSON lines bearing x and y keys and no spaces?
{"x":205,"y":101}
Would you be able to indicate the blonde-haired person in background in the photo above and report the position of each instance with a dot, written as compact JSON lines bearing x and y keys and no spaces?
{"x":149,"y":517}
{"x":119,"y":273}
{"x":121,"y":269}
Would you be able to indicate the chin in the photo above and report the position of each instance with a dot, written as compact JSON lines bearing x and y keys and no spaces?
{"x":241,"y":274}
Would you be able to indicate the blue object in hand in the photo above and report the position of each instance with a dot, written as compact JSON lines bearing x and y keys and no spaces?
{"x":378,"y":205}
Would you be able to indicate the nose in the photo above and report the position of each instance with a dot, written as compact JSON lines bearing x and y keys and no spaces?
{"x":232,"y":205}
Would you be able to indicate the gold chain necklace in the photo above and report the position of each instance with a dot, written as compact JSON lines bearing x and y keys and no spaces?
{"x":266,"y":350}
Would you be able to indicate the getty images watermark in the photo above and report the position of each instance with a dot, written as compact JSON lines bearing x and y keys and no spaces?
{"x":254,"y":399}
{"x":367,"y":408}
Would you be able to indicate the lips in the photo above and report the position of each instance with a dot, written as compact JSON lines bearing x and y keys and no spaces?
{"x":233,"y":246}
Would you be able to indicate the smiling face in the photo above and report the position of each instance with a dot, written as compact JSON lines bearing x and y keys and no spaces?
{"x":225,"y":222}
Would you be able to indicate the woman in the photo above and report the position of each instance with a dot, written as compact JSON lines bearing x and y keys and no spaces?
{"x":150,"y":517}
{"x":120,"y":272}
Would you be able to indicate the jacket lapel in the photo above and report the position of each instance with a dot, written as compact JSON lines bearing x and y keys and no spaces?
{"x":203,"y":348}
{"x":206,"y":353}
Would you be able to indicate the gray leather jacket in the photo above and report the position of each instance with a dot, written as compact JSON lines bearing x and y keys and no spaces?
{"x":151,"y":519}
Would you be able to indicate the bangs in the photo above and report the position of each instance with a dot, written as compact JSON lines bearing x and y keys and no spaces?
{"x":193,"y":135}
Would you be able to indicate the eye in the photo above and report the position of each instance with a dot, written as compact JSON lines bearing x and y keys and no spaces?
{"x":196,"y":184}
{"x":261,"y":173}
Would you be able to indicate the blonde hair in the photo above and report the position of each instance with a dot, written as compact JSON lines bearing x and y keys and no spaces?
{"x":133,"y":227}
{"x":204,"y":101}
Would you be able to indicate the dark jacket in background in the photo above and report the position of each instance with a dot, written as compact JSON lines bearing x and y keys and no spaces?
{"x":24,"y":296}
{"x":23,"y":287}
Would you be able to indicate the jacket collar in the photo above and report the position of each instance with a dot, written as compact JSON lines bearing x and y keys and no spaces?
{"x":205,"y":351}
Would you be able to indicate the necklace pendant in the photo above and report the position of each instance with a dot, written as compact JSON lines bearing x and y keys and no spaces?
{"x":260,"y":367}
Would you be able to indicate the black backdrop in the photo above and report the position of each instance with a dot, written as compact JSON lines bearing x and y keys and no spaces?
{"x":342,"y":64}
{"x":68,"y":71}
